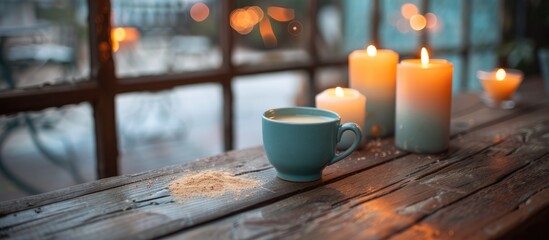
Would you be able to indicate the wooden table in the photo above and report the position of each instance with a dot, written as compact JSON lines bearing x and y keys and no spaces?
{"x":492,"y":183}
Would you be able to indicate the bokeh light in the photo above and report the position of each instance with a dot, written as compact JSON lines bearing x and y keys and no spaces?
{"x":123,"y":35}
{"x":115,"y":46}
{"x":431,"y":20}
{"x":266,"y":31}
{"x":295,"y":28}
{"x":118,"y":34}
{"x":242,"y":21}
{"x":408,"y":10}
{"x":256,"y":13}
{"x":200,"y":12}
{"x":418,"y":22}
{"x":281,"y":14}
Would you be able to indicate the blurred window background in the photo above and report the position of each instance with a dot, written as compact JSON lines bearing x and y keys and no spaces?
{"x":191,"y":78}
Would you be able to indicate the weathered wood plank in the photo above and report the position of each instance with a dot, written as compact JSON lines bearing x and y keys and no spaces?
{"x":521,"y":221}
{"x":227,"y":159}
{"x":379,"y":201}
{"x":134,"y":198}
{"x":492,"y":212}
{"x":405,"y":207}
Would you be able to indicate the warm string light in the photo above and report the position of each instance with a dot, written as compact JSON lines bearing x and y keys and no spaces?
{"x":199,"y":12}
{"x":281,"y":14}
{"x":118,"y":34}
{"x":371,"y":50}
{"x":408,"y":10}
{"x":432,"y":20}
{"x":418,"y":22}
{"x":267,"y":33}
{"x":413,"y":19}
{"x":295,"y":28}
{"x":424,"y":57}
{"x":500,"y":74}
{"x":243,"y":20}
{"x":121,"y":35}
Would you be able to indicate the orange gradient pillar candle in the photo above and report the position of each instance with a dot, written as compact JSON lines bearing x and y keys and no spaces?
{"x":499,"y":86}
{"x":351,"y":107}
{"x":423,"y":102}
{"x":373,"y":73}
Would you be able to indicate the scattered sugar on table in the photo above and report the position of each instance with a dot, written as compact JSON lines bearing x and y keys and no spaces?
{"x":209,"y":184}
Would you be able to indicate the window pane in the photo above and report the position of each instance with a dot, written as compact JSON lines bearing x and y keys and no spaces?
{"x":170,"y":127}
{"x":358,"y":15}
{"x":444,"y":23}
{"x":270,"y":32}
{"x":331,"y":77}
{"x":43,"y":42}
{"x":343,"y":27}
{"x":485,"y":22}
{"x":396,"y":32}
{"x":255,"y":94}
{"x":478,"y":61}
{"x":152,"y":37}
{"x":46,"y":150}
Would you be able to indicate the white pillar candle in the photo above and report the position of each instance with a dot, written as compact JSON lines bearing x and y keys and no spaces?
{"x":373,"y":73}
{"x":423,"y":102}
{"x":349,"y":104}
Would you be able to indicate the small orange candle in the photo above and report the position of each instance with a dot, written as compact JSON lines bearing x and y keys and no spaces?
{"x":501,"y":84}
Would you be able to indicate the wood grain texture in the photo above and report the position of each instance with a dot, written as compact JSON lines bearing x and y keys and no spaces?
{"x":494,"y":210}
{"x":139,"y":205}
{"x":391,"y":197}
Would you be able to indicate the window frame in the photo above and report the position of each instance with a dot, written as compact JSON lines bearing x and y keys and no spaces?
{"x":103,"y":85}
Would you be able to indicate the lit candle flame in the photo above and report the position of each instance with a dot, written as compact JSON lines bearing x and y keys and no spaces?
{"x":500,"y":74}
{"x":424,"y":56}
{"x":339,"y":92}
{"x":371,"y":50}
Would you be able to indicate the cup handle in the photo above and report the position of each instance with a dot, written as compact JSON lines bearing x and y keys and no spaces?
{"x":358,"y":136}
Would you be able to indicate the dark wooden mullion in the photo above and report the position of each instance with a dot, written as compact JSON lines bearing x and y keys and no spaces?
{"x":228,"y":114}
{"x":424,"y":33}
{"x":103,"y":72}
{"x":465,"y":42}
{"x":502,"y":61}
{"x":376,"y":22}
{"x":157,"y":83}
{"x":39,"y":98}
{"x":226,"y":41}
{"x":279,"y":67}
{"x":312,"y":50}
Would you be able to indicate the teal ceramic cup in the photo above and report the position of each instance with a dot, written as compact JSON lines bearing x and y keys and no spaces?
{"x":300,"y":150}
